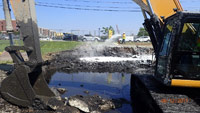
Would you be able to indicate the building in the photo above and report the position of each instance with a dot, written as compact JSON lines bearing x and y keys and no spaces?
{"x":42,"y":31}
{"x":46,"y":33}
{"x":3,"y":25}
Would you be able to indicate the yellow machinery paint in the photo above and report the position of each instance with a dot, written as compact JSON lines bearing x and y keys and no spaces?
{"x":185,"y":83}
{"x":162,"y":7}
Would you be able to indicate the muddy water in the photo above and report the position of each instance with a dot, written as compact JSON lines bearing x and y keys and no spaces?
{"x":107,"y":85}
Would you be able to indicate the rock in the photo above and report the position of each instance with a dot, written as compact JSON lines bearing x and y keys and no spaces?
{"x":55,"y":104}
{"x":61,"y":90}
{"x":86,"y":92}
{"x":67,"y":109}
{"x":55,"y":91}
{"x":95,"y":112}
{"x":75,"y":102}
{"x":108,"y":105}
{"x":93,"y":104}
{"x":66,"y":100}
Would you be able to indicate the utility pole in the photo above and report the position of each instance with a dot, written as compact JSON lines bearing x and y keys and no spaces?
{"x":117,"y":29}
{"x":9,"y":27}
{"x":99,"y":32}
{"x":94,"y":32}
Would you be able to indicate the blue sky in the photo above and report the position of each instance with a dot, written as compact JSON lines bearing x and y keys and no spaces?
{"x":64,"y":20}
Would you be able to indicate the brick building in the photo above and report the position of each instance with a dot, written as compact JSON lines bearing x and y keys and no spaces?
{"x":42,"y":32}
{"x":46,"y":33}
{"x":3,"y":25}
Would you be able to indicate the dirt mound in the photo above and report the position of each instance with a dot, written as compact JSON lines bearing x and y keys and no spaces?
{"x":69,"y":61}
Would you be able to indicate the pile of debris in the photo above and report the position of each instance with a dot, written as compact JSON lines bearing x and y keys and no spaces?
{"x":76,"y":61}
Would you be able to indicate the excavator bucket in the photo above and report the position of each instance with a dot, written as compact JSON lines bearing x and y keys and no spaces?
{"x":26,"y":86}
{"x":23,"y":87}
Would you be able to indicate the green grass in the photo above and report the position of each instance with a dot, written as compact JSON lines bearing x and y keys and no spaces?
{"x":6,"y":62}
{"x":3,"y":44}
{"x":46,"y":46}
{"x":53,"y":46}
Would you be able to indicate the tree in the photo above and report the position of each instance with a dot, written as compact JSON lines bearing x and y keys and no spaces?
{"x":142,"y":32}
{"x":106,"y":29}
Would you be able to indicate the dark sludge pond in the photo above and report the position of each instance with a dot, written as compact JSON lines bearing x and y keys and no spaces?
{"x":106,"y":85}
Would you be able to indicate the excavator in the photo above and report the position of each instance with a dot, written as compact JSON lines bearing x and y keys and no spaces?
{"x":175,"y":36}
{"x":174,"y":33}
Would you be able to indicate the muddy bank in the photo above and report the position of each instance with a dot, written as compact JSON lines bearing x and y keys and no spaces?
{"x":69,"y":61}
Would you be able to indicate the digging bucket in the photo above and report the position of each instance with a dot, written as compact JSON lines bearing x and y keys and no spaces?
{"x":25,"y":87}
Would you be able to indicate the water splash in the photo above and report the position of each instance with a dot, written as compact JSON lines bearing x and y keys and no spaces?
{"x":92,"y":49}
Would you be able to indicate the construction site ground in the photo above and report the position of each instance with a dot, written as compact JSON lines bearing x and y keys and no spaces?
{"x":146,"y":94}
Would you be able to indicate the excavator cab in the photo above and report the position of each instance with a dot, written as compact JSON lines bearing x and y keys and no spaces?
{"x":178,"y":56}
{"x":175,"y":36}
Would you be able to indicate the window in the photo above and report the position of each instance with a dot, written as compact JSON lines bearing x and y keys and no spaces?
{"x":166,"y":40}
{"x":190,"y":38}
{"x":188,"y":51}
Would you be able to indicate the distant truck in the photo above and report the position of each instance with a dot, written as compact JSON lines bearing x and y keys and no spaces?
{"x":143,"y":39}
{"x":128,"y":39}
{"x":45,"y":39}
{"x":70,"y":37}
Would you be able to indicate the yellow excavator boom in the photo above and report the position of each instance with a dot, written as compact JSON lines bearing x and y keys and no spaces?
{"x":160,"y":8}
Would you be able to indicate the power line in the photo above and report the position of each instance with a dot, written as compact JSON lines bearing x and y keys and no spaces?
{"x":78,"y":8}
{"x":93,"y":6}
{"x":91,"y":1}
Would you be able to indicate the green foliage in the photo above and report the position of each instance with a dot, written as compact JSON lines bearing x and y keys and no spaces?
{"x":105,"y":30}
{"x":142,"y":32}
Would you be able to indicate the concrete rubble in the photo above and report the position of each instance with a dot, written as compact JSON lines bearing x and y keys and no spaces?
{"x":92,"y":103}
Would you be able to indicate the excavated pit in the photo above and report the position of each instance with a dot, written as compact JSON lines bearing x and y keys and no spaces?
{"x":148,"y":95}
{"x":110,"y":97}
{"x":111,"y":79}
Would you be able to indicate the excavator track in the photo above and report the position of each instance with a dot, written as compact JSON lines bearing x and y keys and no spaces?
{"x":169,"y":99}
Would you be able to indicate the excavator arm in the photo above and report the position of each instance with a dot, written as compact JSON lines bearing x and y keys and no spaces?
{"x":26,"y":84}
{"x":157,"y":11}
{"x":160,"y":8}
